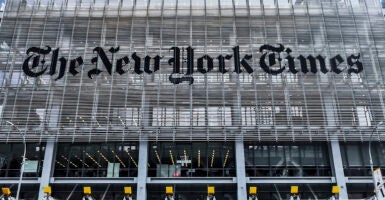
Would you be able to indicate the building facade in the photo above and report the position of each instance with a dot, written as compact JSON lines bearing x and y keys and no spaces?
{"x":192,"y":93}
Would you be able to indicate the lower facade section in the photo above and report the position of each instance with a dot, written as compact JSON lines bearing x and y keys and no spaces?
{"x":190,"y":168}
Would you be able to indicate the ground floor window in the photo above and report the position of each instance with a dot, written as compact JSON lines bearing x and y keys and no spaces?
{"x":355,"y":157}
{"x":191,"y":159}
{"x":110,"y":160}
{"x":287,"y":159}
{"x":11,"y":157}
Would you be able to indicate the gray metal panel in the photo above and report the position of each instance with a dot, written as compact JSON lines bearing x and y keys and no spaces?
{"x":126,"y":180}
{"x":289,"y":180}
{"x":241,"y":171}
{"x":339,"y":169}
{"x":211,"y":180}
{"x":270,"y":105}
{"x":142,"y":171}
{"x":47,"y":167}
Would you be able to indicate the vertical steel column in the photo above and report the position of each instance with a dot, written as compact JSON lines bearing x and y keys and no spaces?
{"x":239,"y":153}
{"x":338,"y":168}
{"x":336,"y":159}
{"x":236,"y":114}
{"x":241,"y":171}
{"x":47,"y":167}
{"x":146,"y":113}
{"x":236,"y":117}
{"x":54,"y":117}
{"x":141,"y":193}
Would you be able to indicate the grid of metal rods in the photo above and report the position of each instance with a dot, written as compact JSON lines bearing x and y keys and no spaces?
{"x":217,"y":106}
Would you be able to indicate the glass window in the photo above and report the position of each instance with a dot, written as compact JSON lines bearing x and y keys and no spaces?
{"x":266,"y":115}
{"x":2,"y":5}
{"x":198,"y":116}
{"x":11,"y":156}
{"x":360,"y":191}
{"x":283,"y":3}
{"x":195,"y":159}
{"x":268,"y":3}
{"x":163,"y":116}
{"x":248,"y":115}
{"x":240,"y":3}
{"x":364,"y":116}
{"x":129,"y":116}
{"x":293,"y":159}
{"x":141,"y":5}
{"x":99,"y":3}
{"x":308,"y":155}
{"x":86,"y":3}
{"x":219,"y":116}
{"x":110,"y":160}
{"x":169,"y":116}
{"x":355,"y":157}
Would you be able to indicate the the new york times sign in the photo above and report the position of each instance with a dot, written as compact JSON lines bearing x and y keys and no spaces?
{"x":272,"y":56}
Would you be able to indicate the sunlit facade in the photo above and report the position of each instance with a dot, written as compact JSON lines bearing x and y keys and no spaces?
{"x":192,"y":93}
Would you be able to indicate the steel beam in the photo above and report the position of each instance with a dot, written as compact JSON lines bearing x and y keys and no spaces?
{"x":47,"y":167}
{"x":142,"y":171}
{"x":359,"y":180}
{"x":334,"y":150}
{"x":338,"y":169}
{"x":211,"y":180}
{"x":241,"y":171}
{"x":16,"y":181}
{"x":126,"y":180}
{"x":290,"y":180}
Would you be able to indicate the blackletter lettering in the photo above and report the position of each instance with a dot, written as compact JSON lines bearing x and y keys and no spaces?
{"x":302,"y":60}
{"x":334,"y":62}
{"x":272,"y":62}
{"x":351,"y":63}
{"x":236,"y":59}
{"x":74,"y":64}
{"x":137,"y":63}
{"x":175,"y":62}
{"x":222,"y":64}
{"x":190,"y":60}
{"x":290,"y":61}
{"x":210,"y":64}
{"x":147,"y":60}
{"x":35,"y":62}
{"x":313,"y":64}
{"x":106,"y":62}
{"x":120,"y":65}
{"x":243,"y":62}
{"x":55,"y":55}
{"x":63,"y":64}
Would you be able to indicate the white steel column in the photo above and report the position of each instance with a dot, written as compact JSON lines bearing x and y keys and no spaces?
{"x":141,"y":193}
{"x":336,"y":159}
{"x":48,"y":164}
{"x":338,"y":168}
{"x":241,"y":171}
{"x":236,"y":114}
